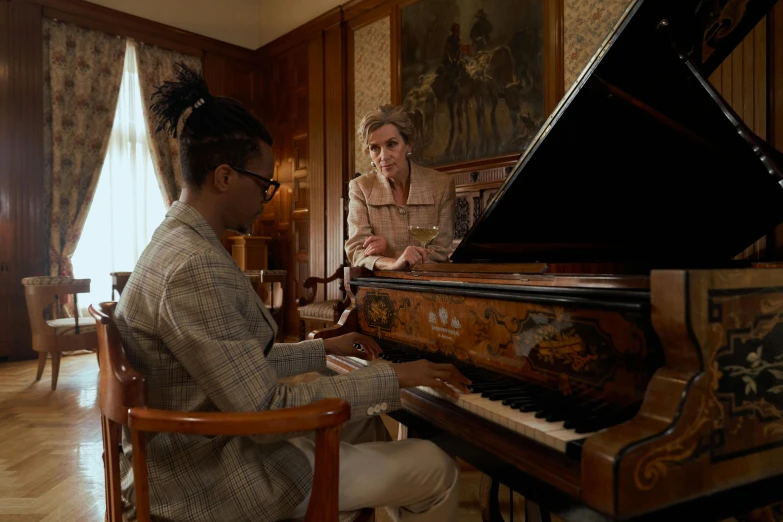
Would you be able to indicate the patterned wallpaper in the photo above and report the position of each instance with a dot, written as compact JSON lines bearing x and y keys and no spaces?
{"x":372,"y":76}
{"x":586,"y":24}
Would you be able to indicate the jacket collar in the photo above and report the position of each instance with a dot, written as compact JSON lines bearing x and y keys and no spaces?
{"x":191,"y":217}
{"x":420,"y":191}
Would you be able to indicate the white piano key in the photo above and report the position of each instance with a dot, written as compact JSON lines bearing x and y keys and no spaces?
{"x":551,"y":434}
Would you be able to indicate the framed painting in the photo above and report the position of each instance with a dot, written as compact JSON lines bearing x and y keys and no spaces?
{"x":478,"y":78}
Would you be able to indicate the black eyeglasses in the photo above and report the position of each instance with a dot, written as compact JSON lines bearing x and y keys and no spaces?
{"x":271,"y":185}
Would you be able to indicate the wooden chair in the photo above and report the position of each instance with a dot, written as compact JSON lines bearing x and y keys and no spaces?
{"x":122,"y":401}
{"x":53,"y":334}
{"x":118,"y":282}
{"x":270,"y":286}
{"x":316,"y":315}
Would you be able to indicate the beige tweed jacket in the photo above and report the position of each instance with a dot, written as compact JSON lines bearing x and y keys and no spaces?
{"x":193,"y":326}
{"x":372,"y":211}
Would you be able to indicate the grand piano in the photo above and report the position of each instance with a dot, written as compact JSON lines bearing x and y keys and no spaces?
{"x":625,"y":364}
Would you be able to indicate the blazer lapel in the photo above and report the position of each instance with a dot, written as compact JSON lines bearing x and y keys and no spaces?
{"x":380,"y":193}
{"x":420,"y":192}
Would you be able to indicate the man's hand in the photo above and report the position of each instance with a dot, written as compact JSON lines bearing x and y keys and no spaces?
{"x":354,"y":345}
{"x":375,"y":246}
{"x":426,"y":373}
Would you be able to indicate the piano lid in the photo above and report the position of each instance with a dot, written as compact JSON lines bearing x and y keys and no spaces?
{"x":642,"y":161}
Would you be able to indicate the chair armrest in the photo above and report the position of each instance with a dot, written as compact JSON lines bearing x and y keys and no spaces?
{"x":311,"y":285}
{"x":345,"y":325}
{"x":325,"y":416}
{"x":326,"y":413}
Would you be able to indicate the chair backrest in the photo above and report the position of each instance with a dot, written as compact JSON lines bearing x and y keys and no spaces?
{"x":50,"y":292}
{"x":311,"y":285}
{"x":118,"y":282}
{"x":121,"y":388}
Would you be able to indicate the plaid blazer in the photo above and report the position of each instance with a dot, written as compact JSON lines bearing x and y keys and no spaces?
{"x":431,"y":201}
{"x":193,"y":326}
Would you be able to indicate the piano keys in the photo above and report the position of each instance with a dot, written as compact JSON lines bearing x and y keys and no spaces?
{"x":561,"y":422}
{"x":626,"y":364}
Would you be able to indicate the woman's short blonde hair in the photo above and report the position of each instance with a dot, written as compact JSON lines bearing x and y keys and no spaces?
{"x":381,"y":116}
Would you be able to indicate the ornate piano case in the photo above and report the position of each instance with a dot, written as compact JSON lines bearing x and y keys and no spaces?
{"x":624,"y":364}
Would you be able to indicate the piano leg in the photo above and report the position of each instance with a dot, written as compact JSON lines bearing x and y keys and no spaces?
{"x":489,"y":505}
{"x":488,"y":500}
{"x":534,"y":513}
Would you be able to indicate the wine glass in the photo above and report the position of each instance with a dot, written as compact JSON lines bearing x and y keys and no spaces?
{"x":424,"y":234}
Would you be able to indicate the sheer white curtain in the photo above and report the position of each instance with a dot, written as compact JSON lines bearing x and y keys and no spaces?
{"x":128,"y":204}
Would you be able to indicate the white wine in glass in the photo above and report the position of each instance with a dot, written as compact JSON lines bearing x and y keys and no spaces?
{"x":424,"y":234}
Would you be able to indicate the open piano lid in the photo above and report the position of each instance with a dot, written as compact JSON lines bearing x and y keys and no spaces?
{"x":642,"y":161}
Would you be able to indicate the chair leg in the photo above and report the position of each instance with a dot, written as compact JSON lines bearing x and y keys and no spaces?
{"x":55,"y":368}
{"x":41,"y":365}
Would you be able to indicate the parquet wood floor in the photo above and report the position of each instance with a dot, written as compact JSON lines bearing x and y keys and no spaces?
{"x":50,"y":443}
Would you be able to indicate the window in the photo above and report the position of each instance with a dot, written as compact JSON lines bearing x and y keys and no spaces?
{"x":128,"y":205}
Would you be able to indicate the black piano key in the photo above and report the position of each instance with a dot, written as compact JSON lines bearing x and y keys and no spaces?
{"x":573,"y":410}
{"x":505,"y":393}
{"x":564,"y":405}
{"x":588,"y":413}
{"x":607,"y":419}
{"x":514,"y":401}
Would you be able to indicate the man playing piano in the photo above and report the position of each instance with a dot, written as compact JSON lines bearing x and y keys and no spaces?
{"x":193,"y":326}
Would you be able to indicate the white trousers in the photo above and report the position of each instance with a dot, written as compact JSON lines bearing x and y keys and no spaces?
{"x":413,"y":479}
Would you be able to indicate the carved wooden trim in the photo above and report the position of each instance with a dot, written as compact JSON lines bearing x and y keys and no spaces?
{"x":356,"y":8}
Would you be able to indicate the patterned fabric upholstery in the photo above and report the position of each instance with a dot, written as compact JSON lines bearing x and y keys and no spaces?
{"x":321,"y":310}
{"x":67,"y":325}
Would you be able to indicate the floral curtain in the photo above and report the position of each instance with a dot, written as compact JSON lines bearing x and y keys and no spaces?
{"x":82,"y":74}
{"x":155,"y":66}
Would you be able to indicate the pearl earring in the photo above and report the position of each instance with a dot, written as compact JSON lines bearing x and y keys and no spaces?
{"x":409,"y":154}
{"x":372,"y":163}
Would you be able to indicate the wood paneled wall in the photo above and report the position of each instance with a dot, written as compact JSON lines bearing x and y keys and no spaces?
{"x":304,"y":108}
{"x":742,"y":81}
{"x":750,"y":79}
{"x":230,"y":70}
{"x":22,"y":236}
